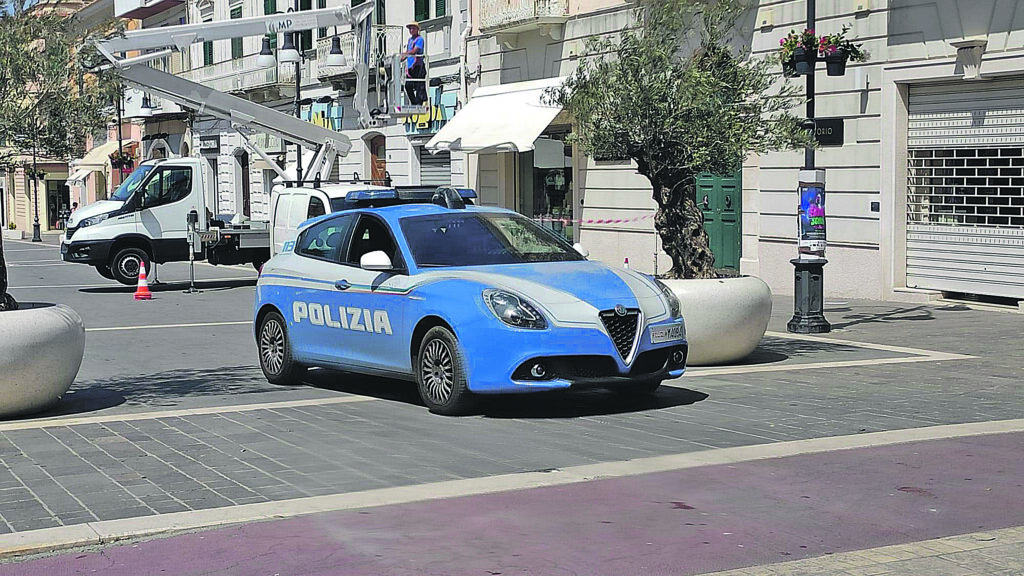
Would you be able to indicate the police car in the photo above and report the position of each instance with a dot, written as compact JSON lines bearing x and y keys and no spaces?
{"x":463,"y":300}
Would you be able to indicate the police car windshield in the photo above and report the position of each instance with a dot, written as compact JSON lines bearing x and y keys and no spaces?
{"x":468,"y":239}
{"x":125,"y":190}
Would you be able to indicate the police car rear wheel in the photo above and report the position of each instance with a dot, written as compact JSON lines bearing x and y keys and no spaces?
{"x":441,"y":374}
{"x":275,"y":352}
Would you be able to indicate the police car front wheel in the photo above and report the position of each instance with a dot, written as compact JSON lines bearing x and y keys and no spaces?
{"x":441,"y":373}
{"x":275,"y":352}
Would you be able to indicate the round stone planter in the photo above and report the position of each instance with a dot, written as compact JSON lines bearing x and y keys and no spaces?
{"x":41,"y":348}
{"x":725,"y":317}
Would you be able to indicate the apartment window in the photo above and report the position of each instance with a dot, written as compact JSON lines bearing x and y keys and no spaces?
{"x":208,"y":49}
{"x":321,"y":32}
{"x":306,"y":37}
{"x":236,"y":43}
{"x":439,"y":8}
{"x":422,"y":10}
{"x":269,"y":6}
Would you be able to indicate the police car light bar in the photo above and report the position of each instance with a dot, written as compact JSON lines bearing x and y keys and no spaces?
{"x":466,"y":193}
{"x":358,"y":195}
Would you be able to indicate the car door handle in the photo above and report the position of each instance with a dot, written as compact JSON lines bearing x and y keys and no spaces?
{"x":342,"y":285}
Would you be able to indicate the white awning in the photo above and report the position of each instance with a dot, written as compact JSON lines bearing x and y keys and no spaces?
{"x":99,"y":156}
{"x":506,"y":117}
{"x":78,"y":177}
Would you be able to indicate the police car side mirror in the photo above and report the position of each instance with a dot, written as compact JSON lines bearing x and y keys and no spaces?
{"x":583,"y":251}
{"x":376,"y":260}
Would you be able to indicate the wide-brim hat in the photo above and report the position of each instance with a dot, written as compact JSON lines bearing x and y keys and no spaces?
{"x":411,"y":24}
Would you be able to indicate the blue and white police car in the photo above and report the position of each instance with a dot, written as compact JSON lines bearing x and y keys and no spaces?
{"x":463,"y":300}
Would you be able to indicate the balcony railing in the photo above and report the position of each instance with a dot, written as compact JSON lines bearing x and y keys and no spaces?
{"x":243,"y":75}
{"x":387,"y":41}
{"x":512,"y":15}
{"x":139,"y":9}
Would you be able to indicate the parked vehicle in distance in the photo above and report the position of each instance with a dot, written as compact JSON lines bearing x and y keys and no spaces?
{"x":463,"y":300}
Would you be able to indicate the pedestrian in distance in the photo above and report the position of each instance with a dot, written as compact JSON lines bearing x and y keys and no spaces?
{"x":415,"y":69}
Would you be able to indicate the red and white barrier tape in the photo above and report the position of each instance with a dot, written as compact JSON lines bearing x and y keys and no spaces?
{"x":567,"y":221}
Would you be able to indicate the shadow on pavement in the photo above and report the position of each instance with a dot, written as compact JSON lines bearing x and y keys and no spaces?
{"x":206,"y":285}
{"x":575,"y":404}
{"x":772,"y":349}
{"x":562,"y":404}
{"x":913,"y":314}
{"x":160,"y":389}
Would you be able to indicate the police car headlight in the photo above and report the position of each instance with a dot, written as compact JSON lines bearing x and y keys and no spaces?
{"x":674,"y":308}
{"x":514,"y":310}
{"x":93,"y":220}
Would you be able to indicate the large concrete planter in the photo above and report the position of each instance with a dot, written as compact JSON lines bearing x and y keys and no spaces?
{"x":41,"y":348}
{"x":13,"y":234}
{"x":725,"y":317}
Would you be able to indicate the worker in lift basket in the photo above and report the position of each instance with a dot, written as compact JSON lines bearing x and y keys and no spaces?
{"x":414,"y":66}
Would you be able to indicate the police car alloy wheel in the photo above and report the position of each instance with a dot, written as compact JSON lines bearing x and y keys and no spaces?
{"x":441,"y":374}
{"x":275,"y":352}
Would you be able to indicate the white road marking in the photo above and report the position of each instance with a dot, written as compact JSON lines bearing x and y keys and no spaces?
{"x":184,"y":412}
{"x":36,"y":263}
{"x":199,"y":281}
{"x":917,"y":355}
{"x":109,"y":531}
{"x":891,"y":560}
{"x":152,"y":326}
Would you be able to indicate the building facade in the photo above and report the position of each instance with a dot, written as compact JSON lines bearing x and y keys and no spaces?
{"x":925,"y":194}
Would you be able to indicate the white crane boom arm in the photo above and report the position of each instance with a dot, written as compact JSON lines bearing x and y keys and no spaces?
{"x":243,"y":114}
{"x":183,"y":35}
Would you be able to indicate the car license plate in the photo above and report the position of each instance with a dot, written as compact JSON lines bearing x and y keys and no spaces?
{"x":661,"y":334}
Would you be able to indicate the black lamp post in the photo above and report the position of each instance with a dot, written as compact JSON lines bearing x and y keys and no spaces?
{"x":808,"y":305}
{"x":36,"y":237}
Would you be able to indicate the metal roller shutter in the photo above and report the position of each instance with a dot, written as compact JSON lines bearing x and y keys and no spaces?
{"x":965,"y":193}
{"x":435,"y":169}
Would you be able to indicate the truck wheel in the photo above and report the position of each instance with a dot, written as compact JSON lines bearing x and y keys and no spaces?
{"x":125,"y":265}
{"x":102,"y":270}
{"x":441,"y":374}
{"x":276,"y":352}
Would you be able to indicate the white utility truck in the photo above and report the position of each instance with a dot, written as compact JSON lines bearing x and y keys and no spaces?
{"x":146,"y":219}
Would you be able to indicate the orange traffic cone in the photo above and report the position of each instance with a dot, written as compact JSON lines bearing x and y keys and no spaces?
{"x":142,"y":292}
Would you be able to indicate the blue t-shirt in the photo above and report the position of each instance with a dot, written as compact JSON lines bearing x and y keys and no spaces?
{"x":415,"y":45}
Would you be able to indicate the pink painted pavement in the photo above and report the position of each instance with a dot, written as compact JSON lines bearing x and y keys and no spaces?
{"x":682,"y":522}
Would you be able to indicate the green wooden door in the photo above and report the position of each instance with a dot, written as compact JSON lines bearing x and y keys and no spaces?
{"x":720,"y":199}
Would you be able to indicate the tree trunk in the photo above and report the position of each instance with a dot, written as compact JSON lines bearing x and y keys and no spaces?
{"x":6,"y":300}
{"x":680,"y":223}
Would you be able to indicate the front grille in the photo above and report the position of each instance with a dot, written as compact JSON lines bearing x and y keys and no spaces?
{"x":71,"y":231}
{"x":622,"y":329}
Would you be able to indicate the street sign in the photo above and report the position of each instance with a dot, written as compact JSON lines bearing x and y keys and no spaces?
{"x":828,"y":131}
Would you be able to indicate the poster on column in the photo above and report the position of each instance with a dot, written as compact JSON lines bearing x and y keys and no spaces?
{"x":811,"y":216}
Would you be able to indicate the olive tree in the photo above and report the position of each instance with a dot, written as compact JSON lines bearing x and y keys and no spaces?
{"x":49,"y":100}
{"x":679,"y":95}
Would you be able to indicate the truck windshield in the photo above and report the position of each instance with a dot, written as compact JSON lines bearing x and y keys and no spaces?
{"x":459,"y":238}
{"x":127,"y":188}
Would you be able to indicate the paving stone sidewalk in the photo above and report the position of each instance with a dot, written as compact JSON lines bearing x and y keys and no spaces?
{"x":60,"y":473}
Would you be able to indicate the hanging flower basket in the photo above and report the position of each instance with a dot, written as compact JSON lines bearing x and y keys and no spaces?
{"x":122,"y":161}
{"x":837,"y":50}
{"x":835,"y":64}
{"x":805,"y":60}
{"x":789,"y":68}
{"x":800,"y":50}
